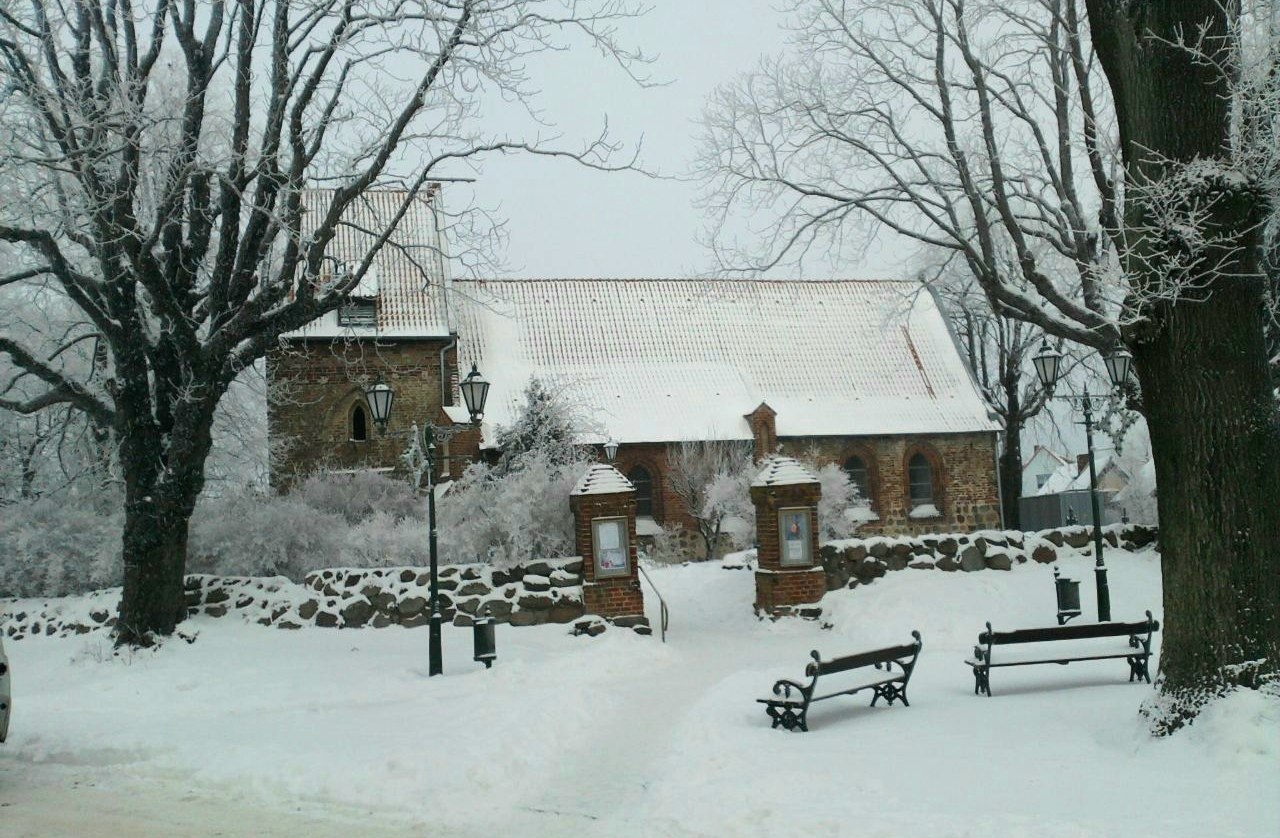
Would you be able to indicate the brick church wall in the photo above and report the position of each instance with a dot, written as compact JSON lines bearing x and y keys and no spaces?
{"x":316,"y":384}
{"x":964,"y":477}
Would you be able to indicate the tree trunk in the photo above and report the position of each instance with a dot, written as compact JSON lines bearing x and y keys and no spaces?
{"x":1219,"y":477}
{"x":1215,"y":432}
{"x":155,"y":560}
{"x":1011,"y":476}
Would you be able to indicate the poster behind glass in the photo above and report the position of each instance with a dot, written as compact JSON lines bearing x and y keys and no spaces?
{"x":793,"y":531}
{"x":611,"y":547}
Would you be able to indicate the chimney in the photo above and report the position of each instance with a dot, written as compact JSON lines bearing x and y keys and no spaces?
{"x":764,"y":431}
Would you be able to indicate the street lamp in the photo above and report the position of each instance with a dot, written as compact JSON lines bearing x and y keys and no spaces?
{"x":1048,"y":364}
{"x":475,"y":391}
{"x":610,"y":449}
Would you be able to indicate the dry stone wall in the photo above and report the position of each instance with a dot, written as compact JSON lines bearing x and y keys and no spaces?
{"x":853,"y":562}
{"x":533,"y":594}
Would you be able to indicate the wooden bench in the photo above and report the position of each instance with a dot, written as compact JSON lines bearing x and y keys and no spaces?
{"x":789,"y":705}
{"x":1136,"y":649}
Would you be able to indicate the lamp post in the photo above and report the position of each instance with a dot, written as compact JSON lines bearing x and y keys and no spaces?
{"x":475,"y":391}
{"x":1048,"y":364}
{"x":610,"y":449}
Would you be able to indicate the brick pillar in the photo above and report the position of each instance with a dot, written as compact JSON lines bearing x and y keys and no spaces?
{"x":786,"y":496}
{"x":604,"y":525}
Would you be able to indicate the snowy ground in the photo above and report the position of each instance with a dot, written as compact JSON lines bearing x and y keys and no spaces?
{"x":256,"y":731}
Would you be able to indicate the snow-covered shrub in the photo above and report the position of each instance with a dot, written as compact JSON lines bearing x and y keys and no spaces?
{"x":60,"y":545}
{"x":355,"y":496}
{"x":245,"y":533}
{"x":841,"y":510}
{"x":505,"y":519}
{"x":518,"y":509}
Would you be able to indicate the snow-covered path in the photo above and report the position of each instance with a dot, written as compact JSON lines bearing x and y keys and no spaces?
{"x":324,"y":732}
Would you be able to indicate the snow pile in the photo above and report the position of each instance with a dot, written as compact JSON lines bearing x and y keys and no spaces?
{"x":625,"y":736}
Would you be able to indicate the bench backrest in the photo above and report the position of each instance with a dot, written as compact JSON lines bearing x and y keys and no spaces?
{"x":875,"y":656}
{"x":1083,"y":631}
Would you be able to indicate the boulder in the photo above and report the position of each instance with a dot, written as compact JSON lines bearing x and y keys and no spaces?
{"x":468,"y":606}
{"x":308,"y":609}
{"x":326,"y":619}
{"x":411,"y":607}
{"x":476,"y":589}
{"x":503,"y":577}
{"x":948,"y":564}
{"x":447,"y":584}
{"x":537,"y":569}
{"x":1044,"y":554}
{"x":216,"y":610}
{"x":287,"y":624}
{"x":564,"y":579}
{"x":630,"y":621}
{"x":357,"y":614}
{"x":948,"y":546}
{"x":573,"y":566}
{"x":869,"y":569}
{"x":463,"y":620}
{"x":536,"y":584}
{"x":216,"y":595}
{"x":244,"y":601}
{"x":922,"y":565}
{"x":471,"y":573}
{"x":971,"y":559}
{"x":499,"y":609}
{"x":407,"y":576}
{"x":878,"y":550}
{"x":565,"y":612}
{"x":528,"y":618}
{"x":535,"y":602}
{"x":896,"y":562}
{"x":419,"y":619}
{"x":97,"y":615}
{"x":1054,"y":537}
{"x":593,"y":627}
{"x":1077,"y":537}
{"x":999,"y":561}
{"x":380,"y":620}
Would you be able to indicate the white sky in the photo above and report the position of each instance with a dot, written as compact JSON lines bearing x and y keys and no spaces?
{"x":567,"y":221}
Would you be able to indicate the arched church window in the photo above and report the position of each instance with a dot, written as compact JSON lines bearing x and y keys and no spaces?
{"x":359,"y":424}
{"x":641,"y":479}
{"x":920,"y":480}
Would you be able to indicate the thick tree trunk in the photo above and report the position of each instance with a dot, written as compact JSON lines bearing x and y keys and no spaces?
{"x":1200,"y":358}
{"x":1011,"y":476}
{"x":1216,"y":445}
{"x":155,"y":561}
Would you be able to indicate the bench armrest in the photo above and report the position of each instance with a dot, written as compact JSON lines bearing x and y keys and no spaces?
{"x":785,"y":686}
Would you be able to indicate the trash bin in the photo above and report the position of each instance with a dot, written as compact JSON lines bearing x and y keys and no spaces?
{"x":486,"y":647}
{"x":1068,"y":591}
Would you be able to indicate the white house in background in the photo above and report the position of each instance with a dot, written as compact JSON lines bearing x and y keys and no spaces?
{"x":1039,"y":468}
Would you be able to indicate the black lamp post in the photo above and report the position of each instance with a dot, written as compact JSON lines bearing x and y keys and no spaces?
{"x":475,"y":391}
{"x":1048,"y":364}
{"x":610,"y":449}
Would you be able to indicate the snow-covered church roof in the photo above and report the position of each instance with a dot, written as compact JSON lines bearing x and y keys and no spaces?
{"x":657,"y":360}
{"x":408,"y":278}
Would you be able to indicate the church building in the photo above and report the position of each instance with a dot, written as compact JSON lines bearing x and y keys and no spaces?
{"x":861,"y":373}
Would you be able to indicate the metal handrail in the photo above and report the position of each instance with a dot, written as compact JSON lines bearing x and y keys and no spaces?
{"x":665,"y":618}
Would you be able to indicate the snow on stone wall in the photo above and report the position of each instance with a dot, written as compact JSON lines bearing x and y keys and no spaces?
{"x":857,"y":561}
{"x":538,"y":592}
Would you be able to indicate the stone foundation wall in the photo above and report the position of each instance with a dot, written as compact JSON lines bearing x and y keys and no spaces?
{"x":853,"y":562}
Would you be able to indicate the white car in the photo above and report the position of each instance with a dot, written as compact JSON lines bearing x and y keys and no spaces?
{"x":6,"y":703}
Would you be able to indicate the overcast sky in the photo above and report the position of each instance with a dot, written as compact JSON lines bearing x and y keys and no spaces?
{"x":566,"y":221}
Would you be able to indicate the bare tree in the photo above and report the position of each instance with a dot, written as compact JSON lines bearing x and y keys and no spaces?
{"x":984,"y":129}
{"x":998,"y":350}
{"x":161,"y":152}
{"x":711,"y":479}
